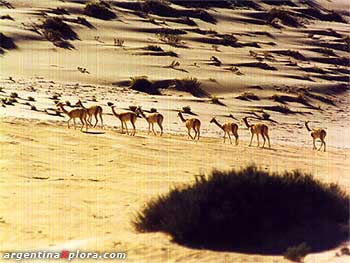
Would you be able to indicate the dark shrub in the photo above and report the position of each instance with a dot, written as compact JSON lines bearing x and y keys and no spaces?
{"x":56,"y":29}
{"x":190,"y":85}
{"x":157,"y":7}
{"x":287,"y":17}
{"x":297,"y":253}
{"x":99,"y":10}
{"x":144,"y":85}
{"x":251,"y":210}
{"x":248,"y":96}
{"x":6,"y":42}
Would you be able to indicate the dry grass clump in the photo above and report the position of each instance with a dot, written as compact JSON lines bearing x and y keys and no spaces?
{"x":252,"y":211}
{"x":99,"y":10}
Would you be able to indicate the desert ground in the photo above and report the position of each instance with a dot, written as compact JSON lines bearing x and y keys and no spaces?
{"x":66,"y":189}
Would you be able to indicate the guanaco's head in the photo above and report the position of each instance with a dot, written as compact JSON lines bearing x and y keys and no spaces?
{"x":233,"y":117}
{"x":212,"y":120}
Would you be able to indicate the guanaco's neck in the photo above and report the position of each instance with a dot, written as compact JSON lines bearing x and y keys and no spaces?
{"x":217,"y":123}
{"x":307,"y":127}
{"x":246,"y":123}
{"x":182,"y":117}
{"x":143,"y":114}
{"x":115,"y":114}
{"x":64,"y":110}
{"x":81,"y":105}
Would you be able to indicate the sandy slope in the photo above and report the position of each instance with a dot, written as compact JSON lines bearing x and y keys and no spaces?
{"x":68,"y":186}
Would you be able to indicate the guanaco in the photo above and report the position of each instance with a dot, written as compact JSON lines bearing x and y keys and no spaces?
{"x":92,"y":111}
{"x":75,"y":113}
{"x":124,"y":117}
{"x":258,"y":128}
{"x":152,"y":118}
{"x":227,"y":127}
{"x":317,"y":134}
{"x":192,"y":123}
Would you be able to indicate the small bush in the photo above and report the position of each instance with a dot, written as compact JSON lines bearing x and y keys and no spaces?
{"x":8,"y":17}
{"x":32,"y":107}
{"x":56,"y":29}
{"x":133,"y":108}
{"x":190,"y":85}
{"x":170,"y":39}
{"x":265,"y":115}
{"x":280,"y":108}
{"x":6,"y":42}
{"x":8,"y":101}
{"x":153,"y":48}
{"x":297,"y":253}
{"x":248,"y":96}
{"x":30,"y":98}
{"x":251,"y":210}
{"x":345,"y":251}
{"x":99,"y":10}
{"x":186,"y":109}
{"x":83,"y":21}
{"x":14,"y":95}
{"x":216,"y":100}
{"x":287,"y":17}
{"x":144,"y":85}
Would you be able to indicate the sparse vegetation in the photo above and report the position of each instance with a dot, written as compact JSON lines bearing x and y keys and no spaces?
{"x":297,"y":253}
{"x":30,"y":98}
{"x":250,"y":210}
{"x":99,"y":10}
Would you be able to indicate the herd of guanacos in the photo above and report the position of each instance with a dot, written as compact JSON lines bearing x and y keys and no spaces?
{"x":85,"y":115}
